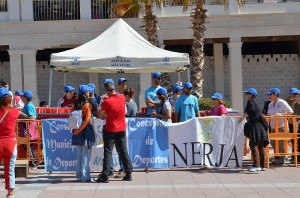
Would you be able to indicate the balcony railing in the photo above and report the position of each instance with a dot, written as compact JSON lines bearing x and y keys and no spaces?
{"x":103,"y":9}
{"x":50,"y":10}
{"x":3,"y":5}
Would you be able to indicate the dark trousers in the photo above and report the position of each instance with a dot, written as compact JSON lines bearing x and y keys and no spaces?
{"x":258,"y":153}
{"x":118,"y":139}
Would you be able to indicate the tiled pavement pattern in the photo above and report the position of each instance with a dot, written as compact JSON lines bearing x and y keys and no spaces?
{"x":274,"y":182}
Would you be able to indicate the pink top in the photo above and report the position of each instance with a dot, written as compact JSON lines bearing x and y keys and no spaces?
{"x":221,"y":110}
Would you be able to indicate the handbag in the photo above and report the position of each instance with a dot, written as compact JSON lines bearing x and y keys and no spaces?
{"x":247,"y":129}
{"x":75,"y":119}
{"x":264,"y":122}
{"x":78,"y":140}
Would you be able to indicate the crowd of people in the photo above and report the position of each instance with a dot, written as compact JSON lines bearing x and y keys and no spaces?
{"x":257,"y":132}
{"x":159,"y":105}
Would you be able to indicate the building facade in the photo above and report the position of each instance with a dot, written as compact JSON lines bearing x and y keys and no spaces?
{"x":254,"y":46}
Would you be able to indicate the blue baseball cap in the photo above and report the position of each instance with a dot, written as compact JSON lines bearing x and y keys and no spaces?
{"x":177,"y":88}
{"x":156,"y":74}
{"x":217,"y":96}
{"x":20,"y":93}
{"x":121,"y":80}
{"x":84,"y":88}
{"x":92,"y":87}
{"x":273,"y":91}
{"x":27,"y":94}
{"x":251,"y":91}
{"x":4,"y":93}
{"x":293,"y":90}
{"x":162,"y":91}
{"x":298,"y":92}
{"x":108,"y":80}
{"x":68,"y":88}
{"x":188,"y":85}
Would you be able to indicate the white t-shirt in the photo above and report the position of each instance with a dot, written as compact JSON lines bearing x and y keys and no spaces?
{"x":281,"y":106}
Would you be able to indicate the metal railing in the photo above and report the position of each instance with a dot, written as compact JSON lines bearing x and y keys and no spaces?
{"x":103,"y":9}
{"x":49,"y":10}
{"x":3,"y":5}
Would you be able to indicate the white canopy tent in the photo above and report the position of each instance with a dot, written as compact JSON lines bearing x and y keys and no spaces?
{"x":118,"y":49}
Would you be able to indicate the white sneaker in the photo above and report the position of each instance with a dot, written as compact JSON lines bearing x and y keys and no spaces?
{"x":262,"y":169}
{"x":253,"y":169}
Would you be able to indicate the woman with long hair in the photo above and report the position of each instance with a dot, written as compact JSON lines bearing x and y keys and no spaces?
{"x":85,"y":142}
{"x":218,"y":108}
{"x":8,"y":141}
{"x":258,"y":137}
{"x":164,"y":109}
{"x":130,"y":103}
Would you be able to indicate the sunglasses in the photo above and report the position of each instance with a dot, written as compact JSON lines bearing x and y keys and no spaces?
{"x":214,"y":98}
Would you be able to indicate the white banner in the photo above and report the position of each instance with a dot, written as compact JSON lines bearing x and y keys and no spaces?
{"x":211,"y":141}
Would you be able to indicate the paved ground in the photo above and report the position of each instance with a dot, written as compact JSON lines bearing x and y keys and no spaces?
{"x":275,"y":182}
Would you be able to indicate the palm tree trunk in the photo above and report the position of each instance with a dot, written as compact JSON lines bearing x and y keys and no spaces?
{"x":150,"y":21}
{"x":197,"y":59}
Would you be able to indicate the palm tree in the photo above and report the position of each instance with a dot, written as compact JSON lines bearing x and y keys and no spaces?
{"x":126,"y":8}
{"x":198,"y":16}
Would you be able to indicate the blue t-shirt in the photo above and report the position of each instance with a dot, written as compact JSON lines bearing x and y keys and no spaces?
{"x":187,"y":106}
{"x":29,"y":110}
{"x":151,"y":93}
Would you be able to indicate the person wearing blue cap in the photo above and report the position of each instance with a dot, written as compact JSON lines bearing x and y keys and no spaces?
{"x":177,"y":91}
{"x":94,"y":96}
{"x":69,"y":98}
{"x":297,"y":112}
{"x":83,"y":137}
{"x":114,"y":132}
{"x":258,"y":137}
{"x":218,"y":108}
{"x":164,"y":109}
{"x":151,"y":97}
{"x":93,"y":100}
{"x":29,"y":112}
{"x":291,"y":101}
{"x":278,"y":107}
{"x":18,"y":103}
{"x":8,"y":141}
{"x":187,"y":106}
{"x":122,"y":83}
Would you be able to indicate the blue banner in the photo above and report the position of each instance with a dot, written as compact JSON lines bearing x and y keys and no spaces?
{"x":59,"y":154}
{"x":148,"y":143}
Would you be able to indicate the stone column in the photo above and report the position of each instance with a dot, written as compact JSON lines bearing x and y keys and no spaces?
{"x":233,"y":7}
{"x":16,"y":70}
{"x":236,"y":75}
{"x":85,"y":10}
{"x":145,"y":82}
{"x":13,"y":10}
{"x":219,"y":68}
{"x":30,"y":73}
{"x":26,"y":10}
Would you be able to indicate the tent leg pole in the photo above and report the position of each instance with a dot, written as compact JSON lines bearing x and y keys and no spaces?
{"x":188,"y":74}
{"x":50,"y":85}
{"x":178,"y":74}
{"x":65,"y":78}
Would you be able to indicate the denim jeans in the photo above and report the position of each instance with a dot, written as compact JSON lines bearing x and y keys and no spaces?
{"x":118,"y":139}
{"x":83,"y":172}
